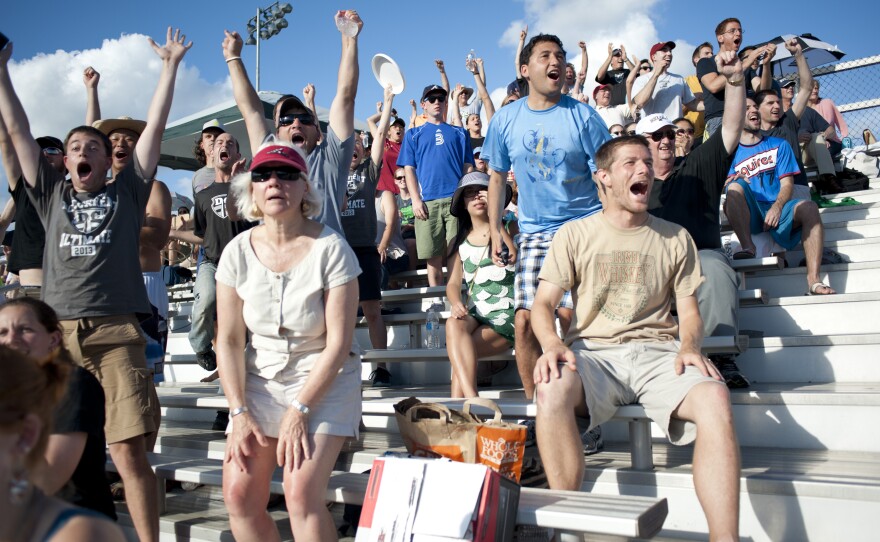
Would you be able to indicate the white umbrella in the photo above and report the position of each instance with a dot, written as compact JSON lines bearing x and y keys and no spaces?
{"x":178,"y":201}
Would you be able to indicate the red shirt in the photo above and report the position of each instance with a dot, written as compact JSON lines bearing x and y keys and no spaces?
{"x":389,"y":165}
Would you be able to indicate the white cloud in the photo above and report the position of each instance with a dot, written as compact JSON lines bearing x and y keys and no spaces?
{"x":626,"y":22}
{"x":51,"y":90}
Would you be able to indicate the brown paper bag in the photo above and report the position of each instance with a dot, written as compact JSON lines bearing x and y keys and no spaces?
{"x":432,"y":430}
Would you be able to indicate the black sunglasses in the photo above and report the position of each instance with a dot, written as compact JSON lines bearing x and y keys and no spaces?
{"x":682,"y":131}
{"x":263,"y":175}
{"x":435,"y":98}
{"x":630,"y":132}
{"x":658,"y":136}
{"x":303,"y":118}
{"x":646,"y":68}
{"x":400,"y":178}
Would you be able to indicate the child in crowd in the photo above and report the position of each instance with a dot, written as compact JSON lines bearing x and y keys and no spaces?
{"x":486,"y":328}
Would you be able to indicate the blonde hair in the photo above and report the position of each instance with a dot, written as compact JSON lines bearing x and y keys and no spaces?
{"x":242,"y":190}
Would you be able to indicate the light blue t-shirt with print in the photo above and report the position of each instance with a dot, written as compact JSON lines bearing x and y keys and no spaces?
{"x":763,"y":165}
{"x":551,"y":154}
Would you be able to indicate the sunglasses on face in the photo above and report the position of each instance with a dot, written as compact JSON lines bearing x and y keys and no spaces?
{"x":435,"y":98}
{"x":401,"y":178}
{"x":645,"y":68}
{"x":263,"y":175}
{"x":617,"y":134}
{"x":303,"y":118}
{"x":682,"y":131}
{"x":630,"y":132}
{"x":474,"y":192}
{"x":658,"y":136}
{"x":52,"y":151}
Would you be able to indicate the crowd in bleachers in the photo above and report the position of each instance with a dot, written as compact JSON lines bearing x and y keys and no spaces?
{"x":594,"y":215}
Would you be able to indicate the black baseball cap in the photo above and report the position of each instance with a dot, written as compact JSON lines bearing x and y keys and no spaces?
{"x":433,"y":89}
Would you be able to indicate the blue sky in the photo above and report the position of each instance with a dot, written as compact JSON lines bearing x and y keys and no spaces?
{"x":413,"y":33}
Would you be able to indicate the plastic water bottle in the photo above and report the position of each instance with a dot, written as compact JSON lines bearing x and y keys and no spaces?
{"x":470,"y":62}
{"x":432,"y":327}
{"x":345,"y":25}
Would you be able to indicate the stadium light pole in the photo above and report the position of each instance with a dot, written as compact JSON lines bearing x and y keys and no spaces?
{"x":268,"y":22}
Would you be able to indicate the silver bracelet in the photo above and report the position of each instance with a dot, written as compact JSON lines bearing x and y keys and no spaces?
{"x":236,"y":411}
{"x":304,"y":409}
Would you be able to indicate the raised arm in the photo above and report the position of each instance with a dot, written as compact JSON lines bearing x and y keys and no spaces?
{"x":17,"y":126}
{"x":806,"y":77}
{"x":522,"y":43}
{"x":482,"y":91}
{"x":626,"y":60}
{"x":373,"y":119}
{"x":249,"y":104}
{"x":342,"y":108}
{"x":603,"y":69}
{"x":148,"y":145}
{"x":444,"y":81}
{"x":454,"y":111}
{"x":582,"y":74}
{"x":413,"y":114}
{"x":630,"y":81}
{"x":766,"y":80}
{"x":309,"y":98}
{"x":378,"y":148}
{"x":10,"y":160}
{"x":93,"y":106}
{"x":647,"y":91}
{"x":6,"y":216}
{"x":733,"y":118}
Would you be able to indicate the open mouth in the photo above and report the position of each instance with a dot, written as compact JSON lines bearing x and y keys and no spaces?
{"x":120,"y":155}
{"x":83,"y":170}
{"x":553,"y":75}
{"x":297,"y":139}
{"x":639,"y":188}
{"x":224,"y":156}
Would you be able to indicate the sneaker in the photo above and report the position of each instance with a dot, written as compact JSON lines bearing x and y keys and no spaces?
{"x":380,"y":377}
{"x":531,"y":436}
{"x":207,"y":360}
{"x":730,"y":372}
{"x":221,"y":421}
{"x":592,"y":440}
{"x":533,"y":474}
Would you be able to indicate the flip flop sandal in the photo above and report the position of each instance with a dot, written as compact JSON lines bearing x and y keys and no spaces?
{"x":744,"y":255}
{"x":816,"y":285}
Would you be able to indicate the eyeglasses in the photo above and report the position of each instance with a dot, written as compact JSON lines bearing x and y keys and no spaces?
{"x":52,"y":151}
{"x":263,"y":175}
{"x":630,"y":132}
{"x":645,"y":68}
{"x":303,"y":118}
{"x":401,"y":178}
{"x":733,"y":31}
{"x":682,"y":131}
{"x":658,"y":136}
{"x":435,"y":98}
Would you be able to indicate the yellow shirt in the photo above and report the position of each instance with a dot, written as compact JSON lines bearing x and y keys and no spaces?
{"x":696,"y":117}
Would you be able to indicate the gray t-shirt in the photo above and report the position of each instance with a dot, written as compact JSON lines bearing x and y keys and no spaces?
{"x":359,"y":218}
{"x":328,"y":175}
{"x":202,"y":179}
{"x":90,"y":264}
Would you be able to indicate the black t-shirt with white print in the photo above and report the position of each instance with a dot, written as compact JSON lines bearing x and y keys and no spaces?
{"x":212,"y":222}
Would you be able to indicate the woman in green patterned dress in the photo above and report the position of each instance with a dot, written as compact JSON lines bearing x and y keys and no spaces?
{"x":481,"y":324}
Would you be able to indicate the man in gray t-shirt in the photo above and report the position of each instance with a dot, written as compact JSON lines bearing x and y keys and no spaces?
{"x":328,"y":157}
{"x":92,"y":274}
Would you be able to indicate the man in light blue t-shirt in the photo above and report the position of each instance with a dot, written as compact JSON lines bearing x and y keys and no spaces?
{"x":548,"y":140}
{"x":434,"y":156}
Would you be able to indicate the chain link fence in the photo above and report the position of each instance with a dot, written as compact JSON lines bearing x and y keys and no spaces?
{"x":854,"y":86}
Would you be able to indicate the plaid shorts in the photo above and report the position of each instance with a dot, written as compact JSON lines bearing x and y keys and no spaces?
{"x":532,"y":248}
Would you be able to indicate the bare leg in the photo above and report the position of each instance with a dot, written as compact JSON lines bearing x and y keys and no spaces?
{"x":130,"y":458}
{"x":737,"y":210}
{"x":304,"y":490}
{"x":376,"y":326}
{"x":246,"y":494}
{"x":468,"y":341}
{"x":435,"y":271}
{"x":716,"y":457}
{"x":559,"y":441}
{"x":806,"y":215}
{"x":527,"y":348}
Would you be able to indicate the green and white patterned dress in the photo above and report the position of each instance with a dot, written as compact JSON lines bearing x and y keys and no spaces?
{"x":490,"y":288}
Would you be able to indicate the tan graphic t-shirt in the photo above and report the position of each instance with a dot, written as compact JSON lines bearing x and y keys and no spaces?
{"x":623,"y":282}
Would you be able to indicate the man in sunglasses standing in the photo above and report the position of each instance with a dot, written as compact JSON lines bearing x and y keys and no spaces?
{"x":434,"y":156}
{"x":689,"y":194}
{"x":328,"y":156}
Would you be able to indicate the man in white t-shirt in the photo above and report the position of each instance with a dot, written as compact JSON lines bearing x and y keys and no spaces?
{"x":662,"y":91}
{"x":611,"y":114}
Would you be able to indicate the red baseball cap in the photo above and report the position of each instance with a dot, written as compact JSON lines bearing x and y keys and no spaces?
{"x":660,"y":45}
{"x":279,"y":155}
{"x":600,"y":87}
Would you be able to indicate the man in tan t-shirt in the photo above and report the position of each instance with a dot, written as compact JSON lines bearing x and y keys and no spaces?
{"x":625,"y":268}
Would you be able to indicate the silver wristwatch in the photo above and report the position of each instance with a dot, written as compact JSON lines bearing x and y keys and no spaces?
{"x":301,"y":407}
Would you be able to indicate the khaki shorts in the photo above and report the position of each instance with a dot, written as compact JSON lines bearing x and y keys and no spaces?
{"x":113,"y":349}
{"x":637,"y":372}
{"x":433,"y":234}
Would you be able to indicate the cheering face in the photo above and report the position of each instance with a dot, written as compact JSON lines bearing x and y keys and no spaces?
{"x":545,"y":70}
{"x":395,"y":133}
{"x":225,"y":152}
{"x":87,"y":161}
{"x":123,"y":141}
{"x":298,"y":126}
{"x":753,"y":116}
{"x":770,"y":109}
{"x":629,"y":180}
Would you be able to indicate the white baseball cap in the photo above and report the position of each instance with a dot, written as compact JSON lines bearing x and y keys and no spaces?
{"x":652,"y":123}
